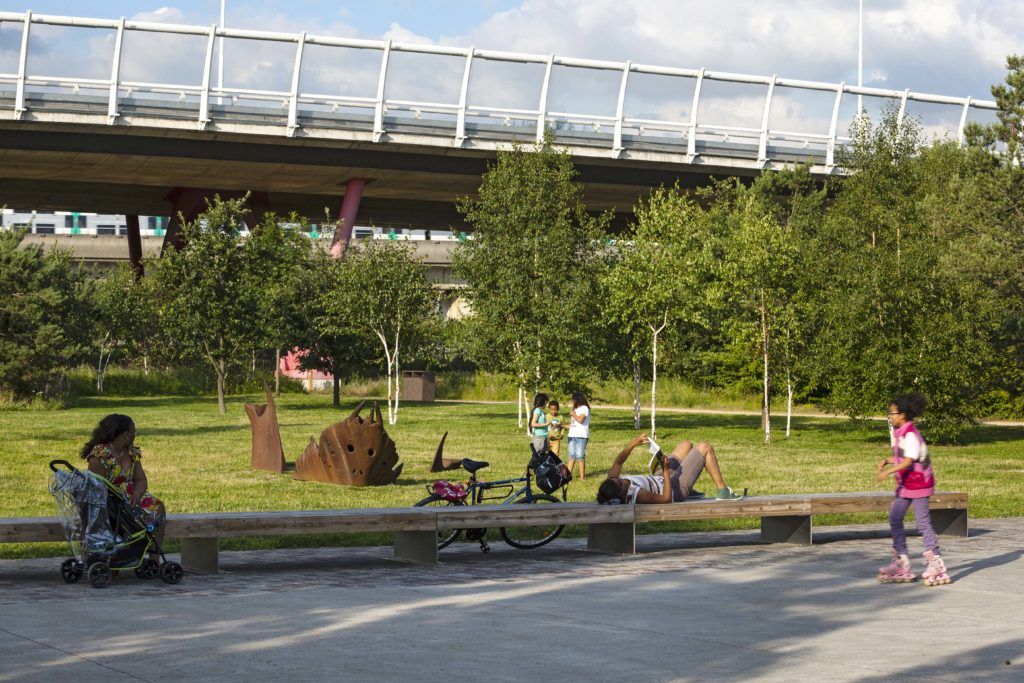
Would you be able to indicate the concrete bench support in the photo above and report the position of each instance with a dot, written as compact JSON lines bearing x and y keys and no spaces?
{"x":794,"y":529}
{"x":416,"y":547}
{"x":613,"y":538}
{"x":200,"y":554}
{"x":950,"y":522}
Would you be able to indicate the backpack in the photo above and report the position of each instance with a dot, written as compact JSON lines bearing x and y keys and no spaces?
{"x":549,"y":471}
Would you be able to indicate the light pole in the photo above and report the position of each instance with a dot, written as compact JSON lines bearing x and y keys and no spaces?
{"x":860,"y":55}
{"x":220,"y":59}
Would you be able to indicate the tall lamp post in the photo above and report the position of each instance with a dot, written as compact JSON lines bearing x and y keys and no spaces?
{"x":220,"y":58}
{"x":860,"y":54}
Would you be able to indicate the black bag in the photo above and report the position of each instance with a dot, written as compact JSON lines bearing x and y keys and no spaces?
{"x":549,"y":471}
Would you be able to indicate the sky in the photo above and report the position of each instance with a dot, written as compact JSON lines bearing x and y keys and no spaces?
{"x":948,"y":47}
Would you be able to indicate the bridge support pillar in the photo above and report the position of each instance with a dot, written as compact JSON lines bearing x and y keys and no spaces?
{"x":134,"y":244}
{"x":347,"y":220}
{"x":259,"y":206}
{"x":187,"y":203}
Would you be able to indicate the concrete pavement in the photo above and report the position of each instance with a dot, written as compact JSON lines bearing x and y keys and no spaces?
{"x":703,"y":606}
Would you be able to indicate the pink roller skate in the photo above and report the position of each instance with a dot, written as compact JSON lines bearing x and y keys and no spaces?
{"x":897,"y":571}
{"x":935,"y":573}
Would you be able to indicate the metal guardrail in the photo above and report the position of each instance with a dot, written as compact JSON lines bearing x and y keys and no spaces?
{"x":375,"y":117}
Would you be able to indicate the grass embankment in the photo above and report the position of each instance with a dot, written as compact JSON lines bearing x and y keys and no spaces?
{"x":198,"y":460}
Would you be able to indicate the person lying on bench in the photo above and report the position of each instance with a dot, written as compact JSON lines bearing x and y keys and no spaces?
{"x":681,"y":469}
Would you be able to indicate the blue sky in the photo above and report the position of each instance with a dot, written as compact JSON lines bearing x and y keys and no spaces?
{"x":434,"y":18}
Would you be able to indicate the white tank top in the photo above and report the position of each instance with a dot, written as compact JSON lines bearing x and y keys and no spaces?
{"x":646,"y":482}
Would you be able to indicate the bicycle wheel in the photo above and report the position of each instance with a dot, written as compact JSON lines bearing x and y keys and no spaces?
{"x":530,"y":537}
{"x":445,"y":537}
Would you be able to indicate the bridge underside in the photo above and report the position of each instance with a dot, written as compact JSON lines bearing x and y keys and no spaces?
{"x":132,"y":170}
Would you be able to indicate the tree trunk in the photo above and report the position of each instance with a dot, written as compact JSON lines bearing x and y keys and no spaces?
{"x":221,"y":371}
{"x":766,"y":416}
{"x":636,"y":394}
{"x":145,"y":365}
{"x":99,"y":373}
{"x":337,"y":390}
{"x":519,"y":406}
{"x":789,"y":401}
{"x":398,"y":383}
{"x":277,"y":372}
{"x":254,"y":360}
{"x":654,"y":381}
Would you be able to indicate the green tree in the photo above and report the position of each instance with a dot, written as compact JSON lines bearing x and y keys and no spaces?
{"x":206,"y":304}
{"x":760,"y":275}
{"x":388,"y":297}
{"x":278,"y":257}
{"x":45,"y":316}
{"x":124,"y":320}
{"x":902,"y":308}
{"x":661,"y":278}
{"x":531,"y":268}
{"x":331,"y":341}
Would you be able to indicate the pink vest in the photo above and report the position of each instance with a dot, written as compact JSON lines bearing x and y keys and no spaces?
{"x":921,"y":472}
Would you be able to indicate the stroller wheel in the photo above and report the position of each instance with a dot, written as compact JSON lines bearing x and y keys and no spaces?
{"x":172,"y":572}
{"x":149,"y":569}
{"x":71,"y":570}
{"x":99,"y":574}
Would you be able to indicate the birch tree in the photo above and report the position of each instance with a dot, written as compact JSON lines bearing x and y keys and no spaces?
{"x":389,"y":297}
{"x":660,"y":278}
{"x":760,"y":270}
{"x":531,"y":268}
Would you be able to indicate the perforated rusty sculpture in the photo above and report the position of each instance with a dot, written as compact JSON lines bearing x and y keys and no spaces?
{"x":267,"y":453}
{"x":353,"y":452}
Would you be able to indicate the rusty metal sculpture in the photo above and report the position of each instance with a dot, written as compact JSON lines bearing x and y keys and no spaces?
{"x":353,"y":452}
{"x":267,"y":452}
{"x":442,"y":464}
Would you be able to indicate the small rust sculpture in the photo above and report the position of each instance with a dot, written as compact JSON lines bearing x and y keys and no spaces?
{"x":353,"y":452}
{"x":267,"y":452}
{"x":442,"y":464}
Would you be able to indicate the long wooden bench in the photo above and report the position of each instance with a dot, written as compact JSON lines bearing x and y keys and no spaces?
{"x":611,"y":528}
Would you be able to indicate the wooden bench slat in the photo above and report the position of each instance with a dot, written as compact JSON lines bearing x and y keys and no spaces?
{"x":472,"y":516}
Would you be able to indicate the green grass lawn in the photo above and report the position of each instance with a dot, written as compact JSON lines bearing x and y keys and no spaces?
{"x":198,"y":460}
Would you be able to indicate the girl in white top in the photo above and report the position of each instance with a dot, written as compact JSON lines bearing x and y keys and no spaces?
{"x":579,"y":432}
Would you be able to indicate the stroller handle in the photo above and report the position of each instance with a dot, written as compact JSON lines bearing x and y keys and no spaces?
{"x":54,"y":463}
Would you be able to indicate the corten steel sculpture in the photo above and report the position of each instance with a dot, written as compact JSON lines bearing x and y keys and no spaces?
{"x":267,"y":452}
{"x":353,"y":452}
{"x":442,"y":464}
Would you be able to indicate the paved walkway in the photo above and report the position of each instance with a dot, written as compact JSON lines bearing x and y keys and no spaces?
{"x":705,"y":606}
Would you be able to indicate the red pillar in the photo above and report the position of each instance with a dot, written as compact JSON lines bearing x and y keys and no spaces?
{"x":134,"y":244}
{"x":187,"y":202}
{"x":349,"y":210}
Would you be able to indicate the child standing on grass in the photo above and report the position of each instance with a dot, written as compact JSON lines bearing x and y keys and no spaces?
{"x":579,"y":432}
{"x":915,"y":483}
{"x":556,"y":430}
{"x":539,"y":422}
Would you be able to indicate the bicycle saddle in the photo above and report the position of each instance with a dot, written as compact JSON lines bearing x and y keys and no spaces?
{"x":472,"y":466}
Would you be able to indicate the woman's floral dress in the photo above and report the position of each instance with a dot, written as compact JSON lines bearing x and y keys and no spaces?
{"x":149,"y":504}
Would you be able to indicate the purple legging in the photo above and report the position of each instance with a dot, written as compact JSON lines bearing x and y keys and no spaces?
{"x":924,"y":524}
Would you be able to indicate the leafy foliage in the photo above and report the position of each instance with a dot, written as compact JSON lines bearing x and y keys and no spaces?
{"x":46,"y":318}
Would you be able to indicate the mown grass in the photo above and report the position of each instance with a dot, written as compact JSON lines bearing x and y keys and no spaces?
{"x":198,"y":460}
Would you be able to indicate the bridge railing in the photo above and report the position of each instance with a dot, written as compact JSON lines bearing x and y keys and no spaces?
{"x":680,"y":120}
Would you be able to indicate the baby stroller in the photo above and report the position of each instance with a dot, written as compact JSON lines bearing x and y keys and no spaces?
{"x":105,"y":533}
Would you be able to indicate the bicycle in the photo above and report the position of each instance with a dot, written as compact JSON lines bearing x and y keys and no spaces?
{"x":474,"y":492}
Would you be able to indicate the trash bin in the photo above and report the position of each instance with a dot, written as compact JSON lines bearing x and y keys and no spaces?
{"x":418,"y":385}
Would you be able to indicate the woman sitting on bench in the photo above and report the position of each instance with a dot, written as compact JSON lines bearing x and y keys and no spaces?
{"x":681,"y":469}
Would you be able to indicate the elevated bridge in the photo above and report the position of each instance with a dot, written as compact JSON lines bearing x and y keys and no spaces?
{"x":386,"y":133}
